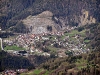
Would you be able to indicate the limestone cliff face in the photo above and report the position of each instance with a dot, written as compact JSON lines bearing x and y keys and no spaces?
{"x":38,"y":24}
{"x":85,"y":18}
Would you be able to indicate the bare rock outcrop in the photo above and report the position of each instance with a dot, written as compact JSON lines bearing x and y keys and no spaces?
{"x":38,"y":24}
{"x":85,"y":18}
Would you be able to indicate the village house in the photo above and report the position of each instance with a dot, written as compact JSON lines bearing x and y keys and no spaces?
{"x":46,"y":54}
{"x":45,"y":38}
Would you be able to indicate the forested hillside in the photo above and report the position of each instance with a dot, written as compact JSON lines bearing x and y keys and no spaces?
{"x":68,"y":12}
{"x":93,"y":34}
{"x":13,"y":62}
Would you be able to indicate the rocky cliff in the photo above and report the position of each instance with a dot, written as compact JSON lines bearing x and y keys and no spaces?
{"x":39,"y":23}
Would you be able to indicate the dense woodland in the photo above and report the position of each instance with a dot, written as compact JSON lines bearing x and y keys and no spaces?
{"x":8,"y":61}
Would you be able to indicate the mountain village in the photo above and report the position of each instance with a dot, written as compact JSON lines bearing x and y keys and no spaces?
{"x":62,"y":45}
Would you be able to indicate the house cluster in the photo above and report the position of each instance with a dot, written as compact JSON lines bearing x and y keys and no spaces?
{"x":21,"y":53}
{"x":76,"y":50}
{"x":39,"y":52}
{"x":9,"y":72}
{"x":28,"y":41}
{"x":8,"y":41}
{"x":76,"y":47}
{"x":61,"y":53}
{"x":18,"y":53}
{"x":25,"y":40}
{"x":57,"y":33}
{"x":13,"y":72}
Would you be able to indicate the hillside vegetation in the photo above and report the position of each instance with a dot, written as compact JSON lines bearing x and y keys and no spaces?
{"x":67,"y":12}
{"x":88,"y":64}
{"x":13,"y":62}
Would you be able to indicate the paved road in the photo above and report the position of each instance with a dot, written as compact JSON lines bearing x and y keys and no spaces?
{"x":1,"y":44}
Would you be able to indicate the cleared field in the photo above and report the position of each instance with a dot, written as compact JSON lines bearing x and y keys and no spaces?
{"x":37,"y":72}
{"x":13,"y":47}
{"x":74,"y":32}
{"x":81,"y":63}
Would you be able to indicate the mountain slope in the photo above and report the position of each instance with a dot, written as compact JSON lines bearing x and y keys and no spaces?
{"x":88,"y":64}
{"x":68,"y":12}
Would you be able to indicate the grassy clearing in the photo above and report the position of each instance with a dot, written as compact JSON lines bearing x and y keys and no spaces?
{"x":51,"y":48}
{"x":46,"y":73}
{"x":73,"y":32}
{"x":86,"y":41}
{"x":52,"y":37}
{"x":72,"y":39}
{"x":36,"y":72}
{"x":82,"y":33}
{"x":81,"y":63}
{"x":80,"y":67}
{"x":13,"y":47}
{"x":62,"y":37}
